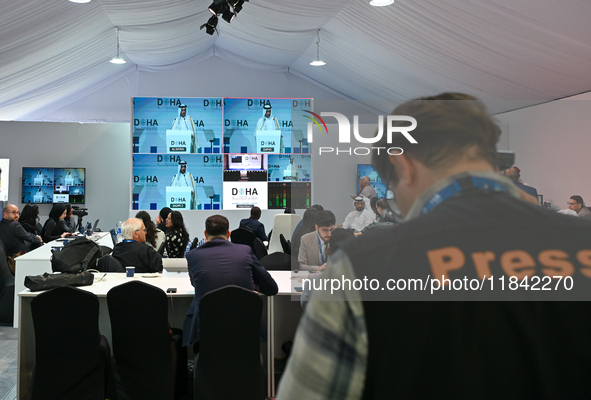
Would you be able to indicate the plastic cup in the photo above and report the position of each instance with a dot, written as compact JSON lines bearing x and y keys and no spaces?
{"x":130,"y":271}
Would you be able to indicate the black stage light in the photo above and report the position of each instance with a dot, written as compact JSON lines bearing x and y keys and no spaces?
{"x":228,"y":15}
{"x":217,"y":8}
{"x":211,"y":24}
{"x":237,"y":5}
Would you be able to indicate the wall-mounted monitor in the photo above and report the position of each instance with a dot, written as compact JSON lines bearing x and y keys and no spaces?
{"x":375,"y":181}
{"x":53,"y":185}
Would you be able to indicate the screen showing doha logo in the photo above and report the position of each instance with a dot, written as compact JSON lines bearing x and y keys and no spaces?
{"x":345,"y":133}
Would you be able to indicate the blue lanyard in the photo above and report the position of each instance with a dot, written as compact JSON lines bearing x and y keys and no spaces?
{"x":320,"y":250}
{"x":128,"y":240}
{"x":460,"y":185}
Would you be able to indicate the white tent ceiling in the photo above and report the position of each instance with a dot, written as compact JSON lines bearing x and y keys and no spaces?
{"x":529,"y":51}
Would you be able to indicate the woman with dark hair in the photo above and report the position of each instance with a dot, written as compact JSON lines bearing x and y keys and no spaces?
{"x":177,"y":236}
{"x":29,"y":219}
{"x":154,"y":236}
{"x":69,"y":221}
{"x":55,"y":227}
{"x":308,"y":225}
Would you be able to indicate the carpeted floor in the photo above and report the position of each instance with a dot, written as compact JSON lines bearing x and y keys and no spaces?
{"x":8,"y":357}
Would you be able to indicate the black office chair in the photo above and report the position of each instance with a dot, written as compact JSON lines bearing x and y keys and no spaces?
{"x":243,"y":236}
{"x":6,"y":291}
{"x":229,"y":362}
{"x":285,"y":244}
{"x":277,"y":261}
{"x":150,"y":362}
{"x":259,"y":248}
{"x":71,"y":356}
{"x":109,"y":263}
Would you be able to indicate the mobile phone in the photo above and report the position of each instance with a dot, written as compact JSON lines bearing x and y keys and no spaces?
{"x":171,"y":290}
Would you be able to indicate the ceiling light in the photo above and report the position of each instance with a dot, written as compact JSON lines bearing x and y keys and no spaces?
{"x":317,"y":62}
{"x":381,"y":3}
{"x":211,"y":25}
{"x":236,"y":5}
{"x":117,"y":60}
{"x":80,"y":1}
{"x":228,"y":15}
{"x":218,"y":8}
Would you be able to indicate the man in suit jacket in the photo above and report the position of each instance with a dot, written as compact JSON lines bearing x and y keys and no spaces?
{"x":219,"y":263}
{"x":313,"y":253}
{"x":577,"y":204}
{"x":12,"y":233}
{"x":253,"y":223}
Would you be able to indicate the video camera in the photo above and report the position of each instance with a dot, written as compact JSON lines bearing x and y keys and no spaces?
{"x":79,"y":212}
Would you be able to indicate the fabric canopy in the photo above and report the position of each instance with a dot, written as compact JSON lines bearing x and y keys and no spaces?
{"x":507,"y":52}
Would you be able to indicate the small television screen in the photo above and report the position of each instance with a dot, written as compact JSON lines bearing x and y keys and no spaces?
{"x":375,"y":181}
{"x":54,"y":185}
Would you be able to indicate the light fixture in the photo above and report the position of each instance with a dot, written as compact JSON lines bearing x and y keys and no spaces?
{"x":80,"y":1}
{"x":317,"y":62}
{"x":228,"y":15}
{"x":217,"y":8}
{"x":236,"y":5}
{"x":117,"y":60}
{"x":210,"y":26}
{"x":381,"y":3}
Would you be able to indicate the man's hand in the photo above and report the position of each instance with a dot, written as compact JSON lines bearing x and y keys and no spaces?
{"x":322,"y":267}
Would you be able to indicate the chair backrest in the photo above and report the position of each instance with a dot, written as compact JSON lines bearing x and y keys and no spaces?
{"x":229,"y":361}
{"x":277,"y":261}
{"x":285,"y":245}
{"x":6,"y":291}
{"x":109,"y":263}
{"x":243,"y":236}
{"x":141,"y":340}
{"x":259,"y":248}
{"x":68,"y":362}
{"x":282,"y":224}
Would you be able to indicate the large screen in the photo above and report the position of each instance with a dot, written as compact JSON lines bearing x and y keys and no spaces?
{"x":375,"y":181}
{"x":220,"y":153}
{"x":54,"y":185}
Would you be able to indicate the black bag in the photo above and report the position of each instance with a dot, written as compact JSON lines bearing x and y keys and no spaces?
{"x":78,"y":255}
{"x":46,"y":281}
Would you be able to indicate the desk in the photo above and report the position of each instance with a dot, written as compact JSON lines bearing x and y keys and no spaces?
{"x":36,"y":262}
{"x":282,"y":316}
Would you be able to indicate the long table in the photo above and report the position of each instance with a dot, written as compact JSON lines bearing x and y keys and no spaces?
{"x":283,"y":313}
{"x":36,"y":262}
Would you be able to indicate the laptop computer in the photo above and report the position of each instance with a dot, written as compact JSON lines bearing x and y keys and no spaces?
{"x":175,"y":264}
{"x":113,"y":233}
{"x":95,"y":224}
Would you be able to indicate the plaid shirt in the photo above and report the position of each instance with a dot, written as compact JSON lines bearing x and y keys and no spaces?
{"x":329,"y":357}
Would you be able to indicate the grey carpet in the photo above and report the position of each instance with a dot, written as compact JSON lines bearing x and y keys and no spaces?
{"x":8,"y":358}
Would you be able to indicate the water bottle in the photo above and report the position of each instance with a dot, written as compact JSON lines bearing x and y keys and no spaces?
{"x":89,"y":229}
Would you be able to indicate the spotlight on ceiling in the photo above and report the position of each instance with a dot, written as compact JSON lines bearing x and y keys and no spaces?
{"x":228,"y":15}
{"x":381,"y":3}
{"x":217,"y":8}
{"x":80,"y":1}
{"x":236,"y":5}
{"x":210,"y":26}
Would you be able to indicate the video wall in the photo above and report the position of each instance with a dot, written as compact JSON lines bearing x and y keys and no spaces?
{"x":54,"y":185}
{"x":220,"y":153}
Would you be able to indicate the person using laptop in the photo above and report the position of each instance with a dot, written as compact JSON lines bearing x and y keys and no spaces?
{"x":133,"y":250}
{"x":55,"y":226}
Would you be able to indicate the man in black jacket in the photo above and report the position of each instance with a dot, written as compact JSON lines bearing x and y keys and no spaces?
{"x":12,"y":233}
{"x":464,"y":299}
{"x":133,"y":250}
